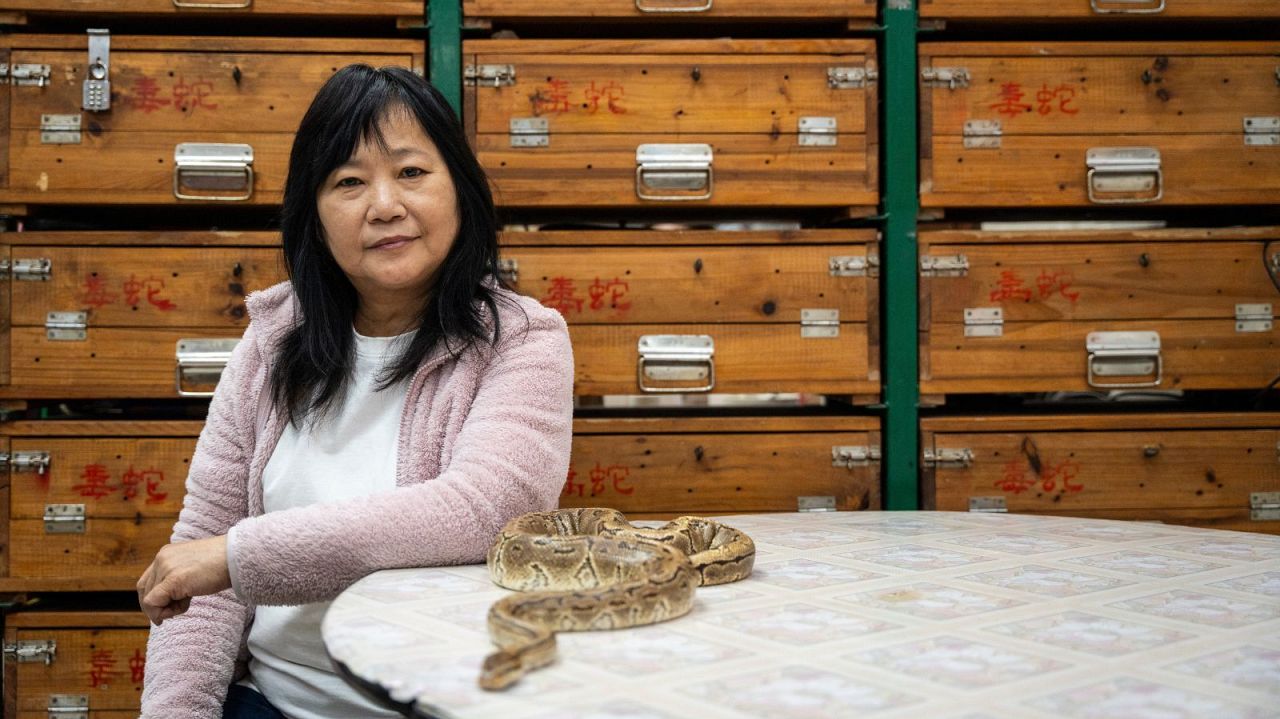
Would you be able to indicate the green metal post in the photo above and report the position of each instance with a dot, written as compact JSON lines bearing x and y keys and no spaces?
{"x":444,"y":43}
{"x":901,"y":293}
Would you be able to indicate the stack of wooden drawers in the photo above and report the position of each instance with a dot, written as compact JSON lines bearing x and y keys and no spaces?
{"x":1186,"y":133}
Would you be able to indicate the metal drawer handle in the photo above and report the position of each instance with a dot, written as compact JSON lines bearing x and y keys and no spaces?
{"x":1098,"y":8}
{"x":676,"y":358}
{"x":640,"y":5}
{"x":674,"y":167}
{"x":201,"y":360}
{"x":213,"y":166}
{"x":1124,"y":354}
{"x":213,"y":5}
{"x":1124,"y":169}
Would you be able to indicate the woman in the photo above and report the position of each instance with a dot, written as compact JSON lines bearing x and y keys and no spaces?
{"x":389,"y":406}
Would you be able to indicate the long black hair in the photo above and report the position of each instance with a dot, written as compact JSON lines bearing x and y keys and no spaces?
{"x":315,"y":358}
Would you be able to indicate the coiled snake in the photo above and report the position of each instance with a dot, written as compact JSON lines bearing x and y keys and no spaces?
{"x":589,"y":569}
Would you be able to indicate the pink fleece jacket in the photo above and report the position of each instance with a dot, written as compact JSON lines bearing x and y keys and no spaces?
{"x":483,"y":438}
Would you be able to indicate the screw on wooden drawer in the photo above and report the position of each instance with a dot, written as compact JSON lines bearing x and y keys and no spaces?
{"x":236,"y":75}
{"x":1144,"y":260}
{"x":697,"y":265}
{"x":696,"y":74}
{"x":1161,"y":64}
{"x":697,"y":453}
{"x":1146,"y":77}
{"x":1150,"y":451}
{"x":237,"y":270}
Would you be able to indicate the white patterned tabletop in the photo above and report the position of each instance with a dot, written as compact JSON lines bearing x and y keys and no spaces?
{"x":893,"y":615}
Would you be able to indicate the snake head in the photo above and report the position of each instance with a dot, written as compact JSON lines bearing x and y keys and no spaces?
{"x":500,"y":670}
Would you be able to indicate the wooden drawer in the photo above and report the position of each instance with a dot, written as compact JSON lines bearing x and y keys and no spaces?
{"x":1049,"y":293}
{"x":141,"y":293}
{"x":238,"y":9}
{"x":119,"y":485}
{"x":1099,"y":10}
{"x":1106,"y":124}
{"x":1201,"y":469}
{"x":654,"y":467}
{"x":674,"y":123}
{"x":97,"y":662}
{"x":682,"y":11}
{"x":168,"y":92}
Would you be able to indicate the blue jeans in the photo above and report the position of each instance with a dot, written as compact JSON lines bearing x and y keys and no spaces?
{"x":245,"y":703}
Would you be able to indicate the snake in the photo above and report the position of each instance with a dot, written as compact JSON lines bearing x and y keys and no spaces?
{"x":590,"y":569}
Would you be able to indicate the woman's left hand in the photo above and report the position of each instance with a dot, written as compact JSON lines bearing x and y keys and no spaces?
{"x":180,"y":572}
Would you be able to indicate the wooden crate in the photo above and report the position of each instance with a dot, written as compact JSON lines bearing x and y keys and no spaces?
{"x":662,"y":468}
{"x":1099,"y":124}
{"x":1099,"y":10}
{"x":141,"y":295}
{"x":87,"y":504}
{"x":238,"y":9}
{"x":668,"y":123}
{"x":1022,"y":314}
{"x":181,"y":109}
{"x":1210,"y":470}
{"x":95,"y":661}
{"x":682,"y":11}
{"x":757,"y":301}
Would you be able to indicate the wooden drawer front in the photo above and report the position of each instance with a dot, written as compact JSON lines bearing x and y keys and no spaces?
{"x":104,"y":665}
{"x":1057,"y":103}
{"x":747,"y":358}
{"x":672,"y":10}
{"x":1052,"y":356}
{"x":745,"y":100}
{"x":655,"y":469}
{"x":1139,"y":474}
{"x":1101,"y":10}
{"x":231,"y":8}
{"x":649,"y":285}
{"x":166,"y":92}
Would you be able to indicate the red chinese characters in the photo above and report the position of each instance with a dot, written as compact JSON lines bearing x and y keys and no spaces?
{"x":1010,"y":100}
{"x":137,"y":666}
{"x":1011,"y":286}
{"x":604,"y":295}
{"x":96,"y":293}
{"x":148,"y":95}
{"x":96,"y":483}
{"x":557,"y":96}
{"x":102,"y":669}
{"x":1014,"y":477}
{"x":603,"y":479}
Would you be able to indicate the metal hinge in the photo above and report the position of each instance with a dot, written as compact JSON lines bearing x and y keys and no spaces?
{"x":825,"y":503}
{"x":97,"y":80}
{"x":948,"y":457}
{"x":25,"y":461}
{"x":850,"y":457}
{"x":817,"y":132}
{"x":489,"y":75}
{"x":988,"y":504}
{"x":509,"y":270}
{"x":530,"y":132}
{"x":38,"y":269}
{"x":1264,"y":506}
{"x":27,"y":74}
{"x":983,"y":322}
{"x":949,"y":77}
{"x":854,"y":266}
{"x":67,"y":326}
{"x":944,"y":266}
{"x":25,"y":652}
{"x":68,"y":706}
{"x":851,"y":78}
{"x":1262,"y":130}
{"x":60,"y":129}
{"x":819,"y":323}
{"x":983,"y":134}
{"x":1254,"y":318}
{"x":64,"y":519}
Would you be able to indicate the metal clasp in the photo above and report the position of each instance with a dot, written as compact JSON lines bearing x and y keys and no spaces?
{"x":668,"y":167}
{"x":96,"y":95}
{"x":1123,"y":354}
{"x":676,"y":358}
{"x":1124,"y":170}
{"x":213,"y":166}
{"x":202,"y":361}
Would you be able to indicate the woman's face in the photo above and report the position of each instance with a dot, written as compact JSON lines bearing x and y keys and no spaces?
{"x":390,"y":217}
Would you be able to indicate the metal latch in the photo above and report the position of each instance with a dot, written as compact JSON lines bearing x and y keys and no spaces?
{"x":988,"y":504}
{"x":850,"y":78}
{"x":68,"y":706}
{"x":983,"y":134}
{"x":819,"y":323}
{"x":530,"y":132}
{"x":676,"y":358}
{"x":67,"y":326}
{"x":1264,"y":506}
{"x":201,"y":361}
{"x":818,"y":132}
{"x":944,"y":266}
{"x":26,"y":461}
{"x":97,"y":75}
{"x":1254,"y":318}
{"x":60,"y":129}
{"x":853,"y":266}
{"x":38,"y":269}
{"x":509,"y":270}
{"x":1124,"y":354}
{"x":850,"y":457}
{"x":949,"y":77}
{"x":25,"y":75}
{"x":948,"y":457}
{"x":28,"y":651}
{"x":821,"y":503}
{"x":1127,"y":7}
{"x":1125,"y":171}
{"x":1262,"y":131}
{"x":684,"y":168}
{"x":489,"y":75}
{"x":64,"y":519}
{"x":215,"y":167}
{"x":983,"y":322}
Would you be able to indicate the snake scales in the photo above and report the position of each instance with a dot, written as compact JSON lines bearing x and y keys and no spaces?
{"x":589,"y":569}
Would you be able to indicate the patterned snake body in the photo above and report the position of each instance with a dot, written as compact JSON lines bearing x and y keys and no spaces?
{"x":590,"y":569}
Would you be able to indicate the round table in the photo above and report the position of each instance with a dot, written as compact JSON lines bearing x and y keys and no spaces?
{"x":887,"y":614}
